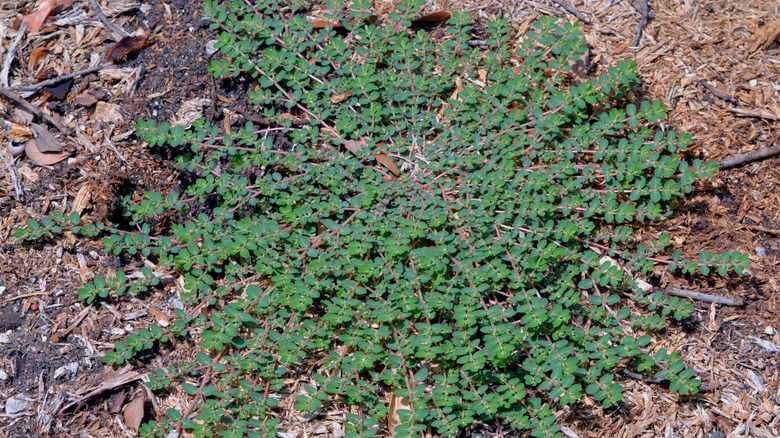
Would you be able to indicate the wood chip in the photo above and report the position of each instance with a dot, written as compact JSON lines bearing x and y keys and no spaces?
{"x":765,"y":36}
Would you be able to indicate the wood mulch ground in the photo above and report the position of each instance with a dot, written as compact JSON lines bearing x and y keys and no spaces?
{"x":715,"y":63}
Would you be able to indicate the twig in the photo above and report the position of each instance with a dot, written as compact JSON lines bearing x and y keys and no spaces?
{"x":760,"y":229}
{"x":9,"y":57}
{"x":14,"y":179}
{"x":10,"y":95}
{"x":572,"y":10}
{"x":58,"y":79}
{"x":31,"y":294}
{"x":641,"y":24}
{"x":110,"y":143}
{"x":117,"y":30}
{"x":656,"y":381}
{"x":642,"y":377}
{"x":726,"y":301}
{"x":746,"y":112}
{"x":718,"y":94}
{"x":749,"y":157}
{"x":111,"y":379}
{"x":638,"y":6}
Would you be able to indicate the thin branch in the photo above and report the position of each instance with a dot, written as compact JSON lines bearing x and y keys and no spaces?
{"x":640,"y":26}
{"x":9,"y":164}
{"x":718,"y":94}
{"x":572,"y":10}
{"x":10,"y":95}
{"x":749,"y":157}
{"x":758,"y":113}
{"x":9,"y":57}
{"x":638,"y":6}
{"x":58,"y":79}
{"x":110,"y":143}
{"x":117,"y":30}
{"x":726,"y":301}
{"x":656,"y":381}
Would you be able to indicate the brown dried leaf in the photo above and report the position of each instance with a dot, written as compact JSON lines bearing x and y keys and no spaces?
{"x":321,"y":24}
{"x":85,"y":99}
{"x":341,"y":97}
{"x":126,"y":45}
{"x":389,"y":163}
{"x":433,"y":17}
{"x":35,"y":20}
{"x":36,"y":56}
{"x":353,"y":145}
{"x":158,"y":315}
{"x":396,"y":404}
{"x":42,"y":158}
{"x":44,"y":140}
{"x":134,"y":413}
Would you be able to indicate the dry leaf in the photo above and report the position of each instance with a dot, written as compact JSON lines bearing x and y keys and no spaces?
{"x":158,"y":315}
{"x":389,"y":163}
{"x":43,"y":158}
{"x":433,"y":17}
{"x":44,"y":140}
{"x":35,"y":20}
{"x":85,"y":99}
{"x":134,"y":413}
{"x":341,"y":97}
{"x":396,"y":404}
{"x":353,"y":145}
{"x":321,"y":24}
{"x":36,"y":56}
{"x":126,"y":45}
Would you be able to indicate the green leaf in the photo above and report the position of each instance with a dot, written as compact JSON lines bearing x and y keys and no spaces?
{"x":174,"y":415}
